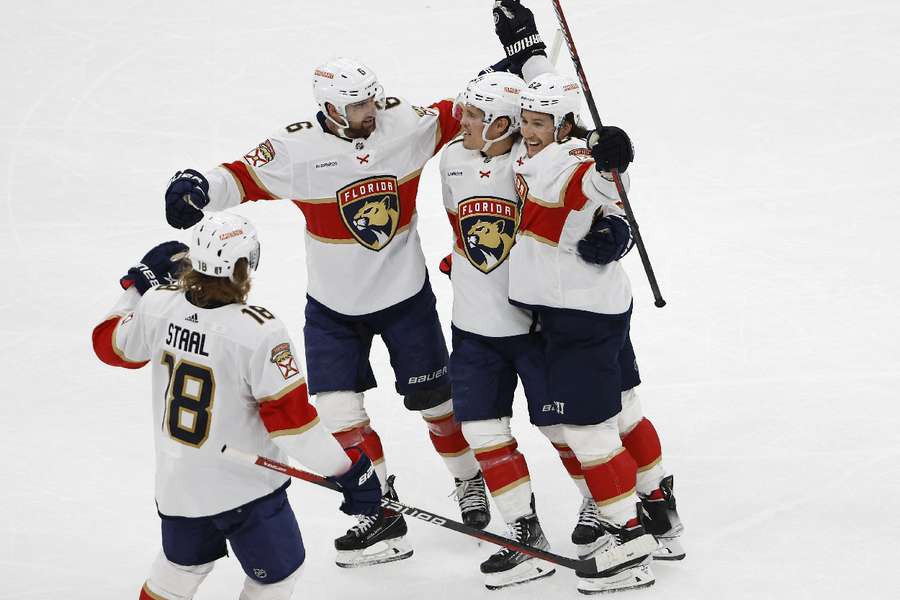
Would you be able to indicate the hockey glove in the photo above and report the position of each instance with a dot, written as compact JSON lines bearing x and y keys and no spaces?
{"x":514,"y":25}
{"x":503,"y":64}
{"x":360,"y":485}
{"x":159,"y":266}
{"x":187,"y":194}
{"x":609,"y":239}
{"x":611,"y":148}
{"x":446,"y":265}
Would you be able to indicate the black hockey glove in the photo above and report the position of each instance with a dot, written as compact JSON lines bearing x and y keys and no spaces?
{"x":611,"y":148}
{"x":360,"y":485}
{"x":446,"y":265}
{"x":503,"y":64}
{"x":514,"y":25}
{"x":159,"y":266}
{"x":609,"y":239}
{"x":187,"y":194}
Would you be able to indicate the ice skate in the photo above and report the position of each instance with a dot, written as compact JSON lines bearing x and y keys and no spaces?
{"x":663,"y":522}
{"x":508,"y":567}
{"x":473,"y":502}
{"x":374,"y":539}
{"x":589,"y":535}
{"x":624,"y":564}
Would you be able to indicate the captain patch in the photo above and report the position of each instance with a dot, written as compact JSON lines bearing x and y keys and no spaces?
{"x":284,"y":360}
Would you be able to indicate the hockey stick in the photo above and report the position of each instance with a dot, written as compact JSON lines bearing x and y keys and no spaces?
{"x":590,"y":565}
{"x":592,"y":106}
{"x":555,"y":46}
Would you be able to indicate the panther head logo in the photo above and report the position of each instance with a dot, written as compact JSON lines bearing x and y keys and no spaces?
{"x":370,"y":209}
{"x":489,"y":225}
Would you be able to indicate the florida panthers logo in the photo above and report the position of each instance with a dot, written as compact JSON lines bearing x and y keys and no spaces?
{"x":370,"y":209}
{"x":488,"y":226}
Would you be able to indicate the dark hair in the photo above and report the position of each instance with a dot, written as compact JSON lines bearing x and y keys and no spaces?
{"x":577,"y":130}
{"x":208,"y":292}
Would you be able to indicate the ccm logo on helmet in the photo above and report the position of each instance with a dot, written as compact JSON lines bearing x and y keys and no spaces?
{"x":231,"y":234}
{"x":324,"y":74}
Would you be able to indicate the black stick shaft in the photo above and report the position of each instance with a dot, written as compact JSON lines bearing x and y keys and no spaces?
{"x":595,"y":115}
{"x":418,"y":514}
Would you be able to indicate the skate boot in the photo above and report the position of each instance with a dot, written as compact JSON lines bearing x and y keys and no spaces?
{"x":509,"y":567}
{"x":589,"y":535}
{"x":374,"y":539}
{"x":625,"y":563}
{"x":662,"y":521}
{"x":473,"y":502}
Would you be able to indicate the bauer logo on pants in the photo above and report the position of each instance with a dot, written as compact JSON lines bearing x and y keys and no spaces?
{"x":370,"y":208}
{"x":488,"y":226}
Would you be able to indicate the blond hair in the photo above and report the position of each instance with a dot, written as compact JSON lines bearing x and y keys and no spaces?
{"x":206,"y":292}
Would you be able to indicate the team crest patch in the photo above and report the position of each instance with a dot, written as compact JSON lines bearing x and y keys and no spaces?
{"x":370,"y":209}
{"x":261,"y":155}
{"x":489,"y":227}
{"x":284,"y":360}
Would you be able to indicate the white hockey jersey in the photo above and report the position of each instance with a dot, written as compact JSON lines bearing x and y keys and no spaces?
{"x":227,"y":375}
{"x":481,"y":203}
{"x":358,"y":197}
{"x":562,"y":192}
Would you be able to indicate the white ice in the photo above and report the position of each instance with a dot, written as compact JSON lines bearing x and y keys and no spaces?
{"x":766,"y":184}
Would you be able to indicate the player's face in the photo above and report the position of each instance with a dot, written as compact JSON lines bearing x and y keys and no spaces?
{"x":472,"y":122}
{"x":537,"y":131}
{"x":361,"y":118}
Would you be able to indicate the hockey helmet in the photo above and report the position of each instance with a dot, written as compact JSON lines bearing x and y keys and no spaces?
{"x":552,"y":94}
{"x":343,"y":81}
{"x":219,"y":240}
{"x":496,"y":94}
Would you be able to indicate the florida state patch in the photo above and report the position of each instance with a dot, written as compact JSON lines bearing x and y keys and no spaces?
{"x":261,"y":155}
{"x":488,"y":225}
{"x":370,"y":209}
{"x":284,"y":360}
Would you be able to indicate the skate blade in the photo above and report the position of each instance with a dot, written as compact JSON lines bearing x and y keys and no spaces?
{"x":586,"y":550}
{"x":524,"y":572}
{"x":378,"y":553}
{"x":634,"y":578}
{"x":629,"y":552}
{"x":669,"y":550}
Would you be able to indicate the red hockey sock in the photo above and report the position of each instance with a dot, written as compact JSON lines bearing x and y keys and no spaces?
{"x":569,"y":461}
{"x":446,"y":435}
{"x":612,"y":479}
{"x":148,"y":595}
{"x":503,"y":467}
{"x":364,"y":437}
{"x":642,"y":443}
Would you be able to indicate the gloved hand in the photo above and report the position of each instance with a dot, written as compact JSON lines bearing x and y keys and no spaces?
{"x":514,"y":25}
{"x":159,"y":266}
{"x":608,"y":239}
{"x":360,"y":485}
{"x":611,"y":148}
{"x":446,"y":265}
{"x":187,"y":194}
{"x":503,"y":64}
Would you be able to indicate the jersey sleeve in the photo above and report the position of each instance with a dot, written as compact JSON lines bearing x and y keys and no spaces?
{"x":277,"y":383}
{"x":264,"y":173}
{"x":590,"y":194}
{"x":447,"y":126}
{"x":120,"y":339}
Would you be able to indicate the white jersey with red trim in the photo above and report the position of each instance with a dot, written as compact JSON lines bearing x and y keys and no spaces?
{"x":562,"y":192}
{"x":227,"y":375}
{"x":358,"y":196}
{"x":481,"y":203}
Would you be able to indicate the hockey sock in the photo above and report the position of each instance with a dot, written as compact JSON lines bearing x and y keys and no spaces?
{"x":642,"y":443}
{"x":506,"y":474}
{"x":366,"y":438}
{"x":612,"y":483}
{"x":169,"y":581}
{"x":573,"y":468}
{"x":447,"y":438}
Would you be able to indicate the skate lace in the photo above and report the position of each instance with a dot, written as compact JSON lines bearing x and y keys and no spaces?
{"x":364,"y":525}
{"x":589,"y":515}
{"x":518,"y":531}
{"x":470,"y":494}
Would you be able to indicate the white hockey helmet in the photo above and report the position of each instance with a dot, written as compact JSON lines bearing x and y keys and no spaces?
{"x":552,"y":94}
{"x":343,"y":81}
{"x":497,"y":95}
{"x":219,"y":240}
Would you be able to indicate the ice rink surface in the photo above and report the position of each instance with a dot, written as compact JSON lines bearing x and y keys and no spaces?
{"x":765,"y":184}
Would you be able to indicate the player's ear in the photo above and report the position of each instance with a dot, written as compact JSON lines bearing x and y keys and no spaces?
{"x":505,"y":122}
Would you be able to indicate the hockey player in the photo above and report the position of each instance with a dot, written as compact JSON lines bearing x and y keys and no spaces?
{"x":610,"y":148}
{"x":354,"y":172}
{"x":224,"y":372}
{"x":492,"y":347}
